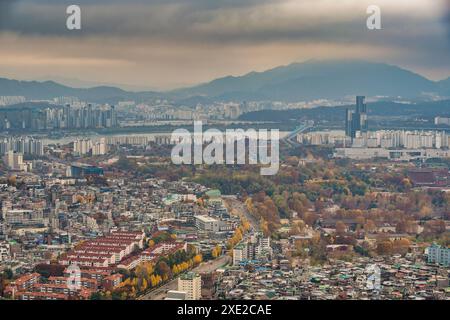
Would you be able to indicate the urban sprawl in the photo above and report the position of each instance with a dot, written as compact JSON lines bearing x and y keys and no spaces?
{"x":351,"y":214}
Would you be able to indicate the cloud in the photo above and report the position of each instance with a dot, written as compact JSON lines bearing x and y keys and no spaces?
{"x":181,"y":41}
{"x":5,"y":10}
{"x":206,"y":19}
{"x":447,"y":17}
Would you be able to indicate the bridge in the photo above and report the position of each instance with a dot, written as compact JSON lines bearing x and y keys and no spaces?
{"x":291,"y":137}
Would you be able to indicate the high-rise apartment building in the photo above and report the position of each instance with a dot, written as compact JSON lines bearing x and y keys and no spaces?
{"x":439,"y":255}
{"x":240,"y":253}
{"x":14,"y":160}
{"x":191,"y":283}
{"x":55,"y":117}
{"x":85,"y":146}
{"x":24,"y":145}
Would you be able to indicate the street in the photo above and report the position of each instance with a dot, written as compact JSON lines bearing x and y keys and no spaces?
{"x":233,"y":203}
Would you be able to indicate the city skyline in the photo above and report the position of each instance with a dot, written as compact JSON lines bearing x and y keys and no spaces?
{"x":303,"y":155}
{"x":169,"y":44}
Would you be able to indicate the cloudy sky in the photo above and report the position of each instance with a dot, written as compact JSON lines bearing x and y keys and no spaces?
{"x":165,"y":44}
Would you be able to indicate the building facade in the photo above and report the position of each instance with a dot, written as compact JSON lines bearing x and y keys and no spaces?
{"x":439,"y":255}
{"x":191,"y":283}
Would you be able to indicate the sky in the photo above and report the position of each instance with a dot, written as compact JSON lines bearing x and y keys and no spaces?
{"x":166,"y":44}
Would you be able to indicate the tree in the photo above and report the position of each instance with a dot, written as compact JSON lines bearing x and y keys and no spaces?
{"x":340,"y":228}
{"x":406,"y":183}
{"x":434,"y":228}
{"x":8,"y":274}
{"x":144,"y":285}
{"x":108,"y":295}
{"x":163,"y":270}
{"x":175,"y":269}
{"x":96,"y":296}
{"x":401,"y":246}
{"x":370,"y":226}
{"x":425,"y":211}
{"x":12,"y":180}
{"x":264,"y":227}
{"x":245,"y":224}
{"x":216,"y":251}
{"x":197,"y":259}
{"x":153,"y":281}
{"x":384,"y":247}
{"x":124,"y":163}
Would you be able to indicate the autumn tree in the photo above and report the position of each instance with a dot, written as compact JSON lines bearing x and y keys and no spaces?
{"x":370,"y":226}
{"x":384,"y":247}
{"x":163,"y":270}
{"x":341,"y":228}
{"x":216,"y":251}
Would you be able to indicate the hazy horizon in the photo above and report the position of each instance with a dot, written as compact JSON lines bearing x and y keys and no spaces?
{"x":164,"y":45}
{"x":86,"y":83}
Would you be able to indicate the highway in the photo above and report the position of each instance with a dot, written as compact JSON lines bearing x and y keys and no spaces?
{"x":293,"y":135}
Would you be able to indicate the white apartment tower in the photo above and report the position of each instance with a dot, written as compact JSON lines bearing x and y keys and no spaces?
{"x":191,"y":283}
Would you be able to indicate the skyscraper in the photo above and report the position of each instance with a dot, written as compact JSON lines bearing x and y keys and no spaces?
{"x":349,"y":123}
{"x":361,"y":112}
{"x":356,"y":120}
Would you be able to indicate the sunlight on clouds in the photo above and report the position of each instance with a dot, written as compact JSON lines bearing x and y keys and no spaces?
{"x":183,"y":42}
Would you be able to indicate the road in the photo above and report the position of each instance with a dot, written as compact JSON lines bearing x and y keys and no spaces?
{"x":210,"y":266}
{"x":234,"y":204}
{"x":291,"y":138}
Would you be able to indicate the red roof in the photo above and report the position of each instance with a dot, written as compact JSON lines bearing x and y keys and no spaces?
{"x":26,"y":277}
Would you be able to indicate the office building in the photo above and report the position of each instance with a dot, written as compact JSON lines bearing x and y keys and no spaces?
{"x":83,"y":170}
{"x":356,"y":121}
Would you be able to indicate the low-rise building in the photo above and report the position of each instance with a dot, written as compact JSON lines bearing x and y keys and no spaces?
{"x":206,"y":223}
{"x":4,"y":251}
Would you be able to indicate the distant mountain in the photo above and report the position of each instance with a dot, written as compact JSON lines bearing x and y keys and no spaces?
{"x":318,"y":79}
{"x":295,"y":82}
{"x":34,"y":90}
{"x":444,"y":86}
{"x":78,"y":83}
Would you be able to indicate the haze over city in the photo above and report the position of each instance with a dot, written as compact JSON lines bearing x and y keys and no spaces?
{"x":240,"y":152}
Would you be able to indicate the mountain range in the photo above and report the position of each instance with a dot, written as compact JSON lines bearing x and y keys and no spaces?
{"x":295,"y":82}
{"x":34,"y":90}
